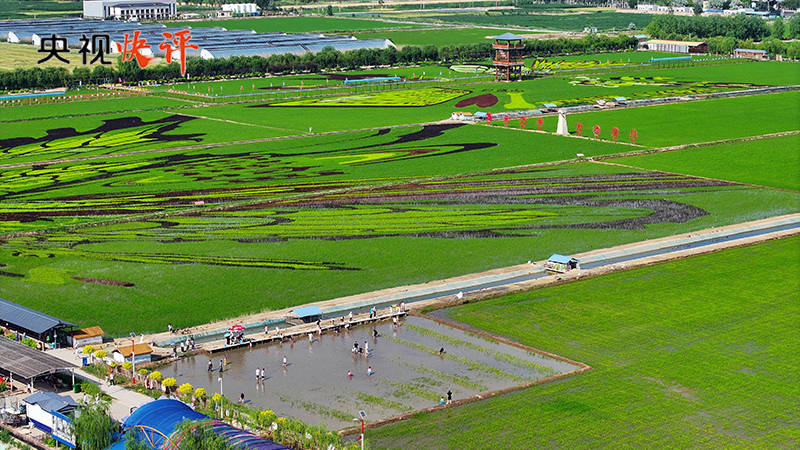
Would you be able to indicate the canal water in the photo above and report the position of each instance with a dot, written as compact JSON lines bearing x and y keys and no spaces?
{"x":409,"y":372}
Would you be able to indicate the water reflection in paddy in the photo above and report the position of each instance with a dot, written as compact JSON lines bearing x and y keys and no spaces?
{"x":409,"y":373}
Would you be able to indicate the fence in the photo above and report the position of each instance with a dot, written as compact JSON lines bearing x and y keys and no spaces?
{"x":313,"y":91}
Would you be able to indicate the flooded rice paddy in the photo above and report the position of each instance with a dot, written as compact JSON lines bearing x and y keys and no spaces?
{"x":409,"y":371}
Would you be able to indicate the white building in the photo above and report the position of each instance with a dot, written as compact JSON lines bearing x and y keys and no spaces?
{"x":138,"y":353}
{"x":129,"y":9}
{"x":49,"y":412}
{"x":241,"y":8}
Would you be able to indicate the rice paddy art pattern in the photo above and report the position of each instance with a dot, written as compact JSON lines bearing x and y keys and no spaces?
{"x":389,"y":99}
{"x":68,"y":192}
{"x":129,"y":132}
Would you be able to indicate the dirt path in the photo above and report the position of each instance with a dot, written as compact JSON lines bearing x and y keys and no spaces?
{"x":696,"y":176}
{"x":402,"y":293}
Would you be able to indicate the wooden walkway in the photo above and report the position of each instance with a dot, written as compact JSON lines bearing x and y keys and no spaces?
{"x":301,"y":331}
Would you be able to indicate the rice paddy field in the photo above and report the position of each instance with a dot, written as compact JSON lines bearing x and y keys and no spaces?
{"x":769,"y":162}
{"x":301,"y":24}
{"x":240,"y":202}
{"x":603,"y":20}
{"x":684,"y":354}
{"x":195,"y":202}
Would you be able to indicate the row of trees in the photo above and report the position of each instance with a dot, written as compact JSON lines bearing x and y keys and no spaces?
{"x":738,"y":26}
{"x":326,"y":59}
{"x":725,"y":45}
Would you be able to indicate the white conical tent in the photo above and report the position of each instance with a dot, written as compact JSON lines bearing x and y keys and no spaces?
{"x":562,"y":124}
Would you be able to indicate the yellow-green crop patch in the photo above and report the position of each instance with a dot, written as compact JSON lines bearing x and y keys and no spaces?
{"x":405,"y":98}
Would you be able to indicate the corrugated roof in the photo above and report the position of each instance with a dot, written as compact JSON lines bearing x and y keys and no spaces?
{"x":29,"y":319}
{"x":28,"y":362}
{"x":165,"y":414}
{"x":141,"y":349}
{"x":560,"y":258}
{"x":52,"y":402}
{"x":86,"y":333}
{"x":307,"y":311}
{"x":668,"y":42}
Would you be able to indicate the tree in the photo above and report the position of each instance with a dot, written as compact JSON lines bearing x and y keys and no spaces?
{"x":697,"y":8}
{"x":92,"y":426}
{"x":132,"y":442}
{"x":186,"y":389}
{"x":197,"y":435}
{"x":632,"y":4}
{"x":794,"y":26}
{"x":329,"y":10}
{"x":778,"y":28}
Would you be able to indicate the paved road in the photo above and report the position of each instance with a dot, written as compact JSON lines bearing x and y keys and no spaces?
{"x":122,"y":400}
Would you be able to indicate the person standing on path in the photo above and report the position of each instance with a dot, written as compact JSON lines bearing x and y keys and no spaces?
{"x":210,"y":366}
{"x":449,"y":396}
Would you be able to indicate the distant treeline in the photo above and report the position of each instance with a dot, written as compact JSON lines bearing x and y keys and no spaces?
{"x":328,"y":58}
{"x":738,"y":26}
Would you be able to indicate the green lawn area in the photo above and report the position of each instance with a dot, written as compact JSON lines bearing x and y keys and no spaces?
{"x":78,"y":108}
{"x":29,"y":9}
{"x":771,"y":162}
{"x":302,"y":24}
{"x":700,"y":352}
{"x":438,"y":37}
{"x":569,"y":21}
{"x":697,"y":121}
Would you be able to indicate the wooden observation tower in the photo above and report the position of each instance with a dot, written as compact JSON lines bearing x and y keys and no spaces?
{"x":508,"y":57}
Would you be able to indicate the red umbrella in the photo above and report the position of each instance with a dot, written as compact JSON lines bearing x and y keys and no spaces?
{"x":236,"y":328}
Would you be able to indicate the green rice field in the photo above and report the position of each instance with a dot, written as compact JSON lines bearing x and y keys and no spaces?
{"x":768,"y":162}
{"x":570,"y":21}
{"x":684,"y":354}
{"x":302,"y":24}
{"x":258,"y":197}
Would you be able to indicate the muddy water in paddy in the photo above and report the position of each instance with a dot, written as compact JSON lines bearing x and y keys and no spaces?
{"x":315,"y":387}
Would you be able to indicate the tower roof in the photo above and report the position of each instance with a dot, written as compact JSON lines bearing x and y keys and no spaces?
{"x":508,"y":37}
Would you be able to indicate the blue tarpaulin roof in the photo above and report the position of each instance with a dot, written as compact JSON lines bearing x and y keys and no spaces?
{"x":749,"y":50}
{"x":29,"y":319}
{"x":165,"y":414}
{"x":508,"y":37}
{"x":307,"y":311}
{"x":560,"y":258}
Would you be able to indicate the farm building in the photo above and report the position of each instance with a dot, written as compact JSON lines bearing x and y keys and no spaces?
{"x":249,"y":9}
{"x":137,"y":353}
{"x":661,"y":45}
{"x":212,"y":42}
{"x":561,"y":264}
{"x":49,"y":412}
{"x":156,"y":423}
{"x":750,"y":53}
{"x":23,"y":362}
{"x":34,"y":324}
{"x":129,"y":9}
{"x":308,"y":314}
{"x":86,"y":336}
